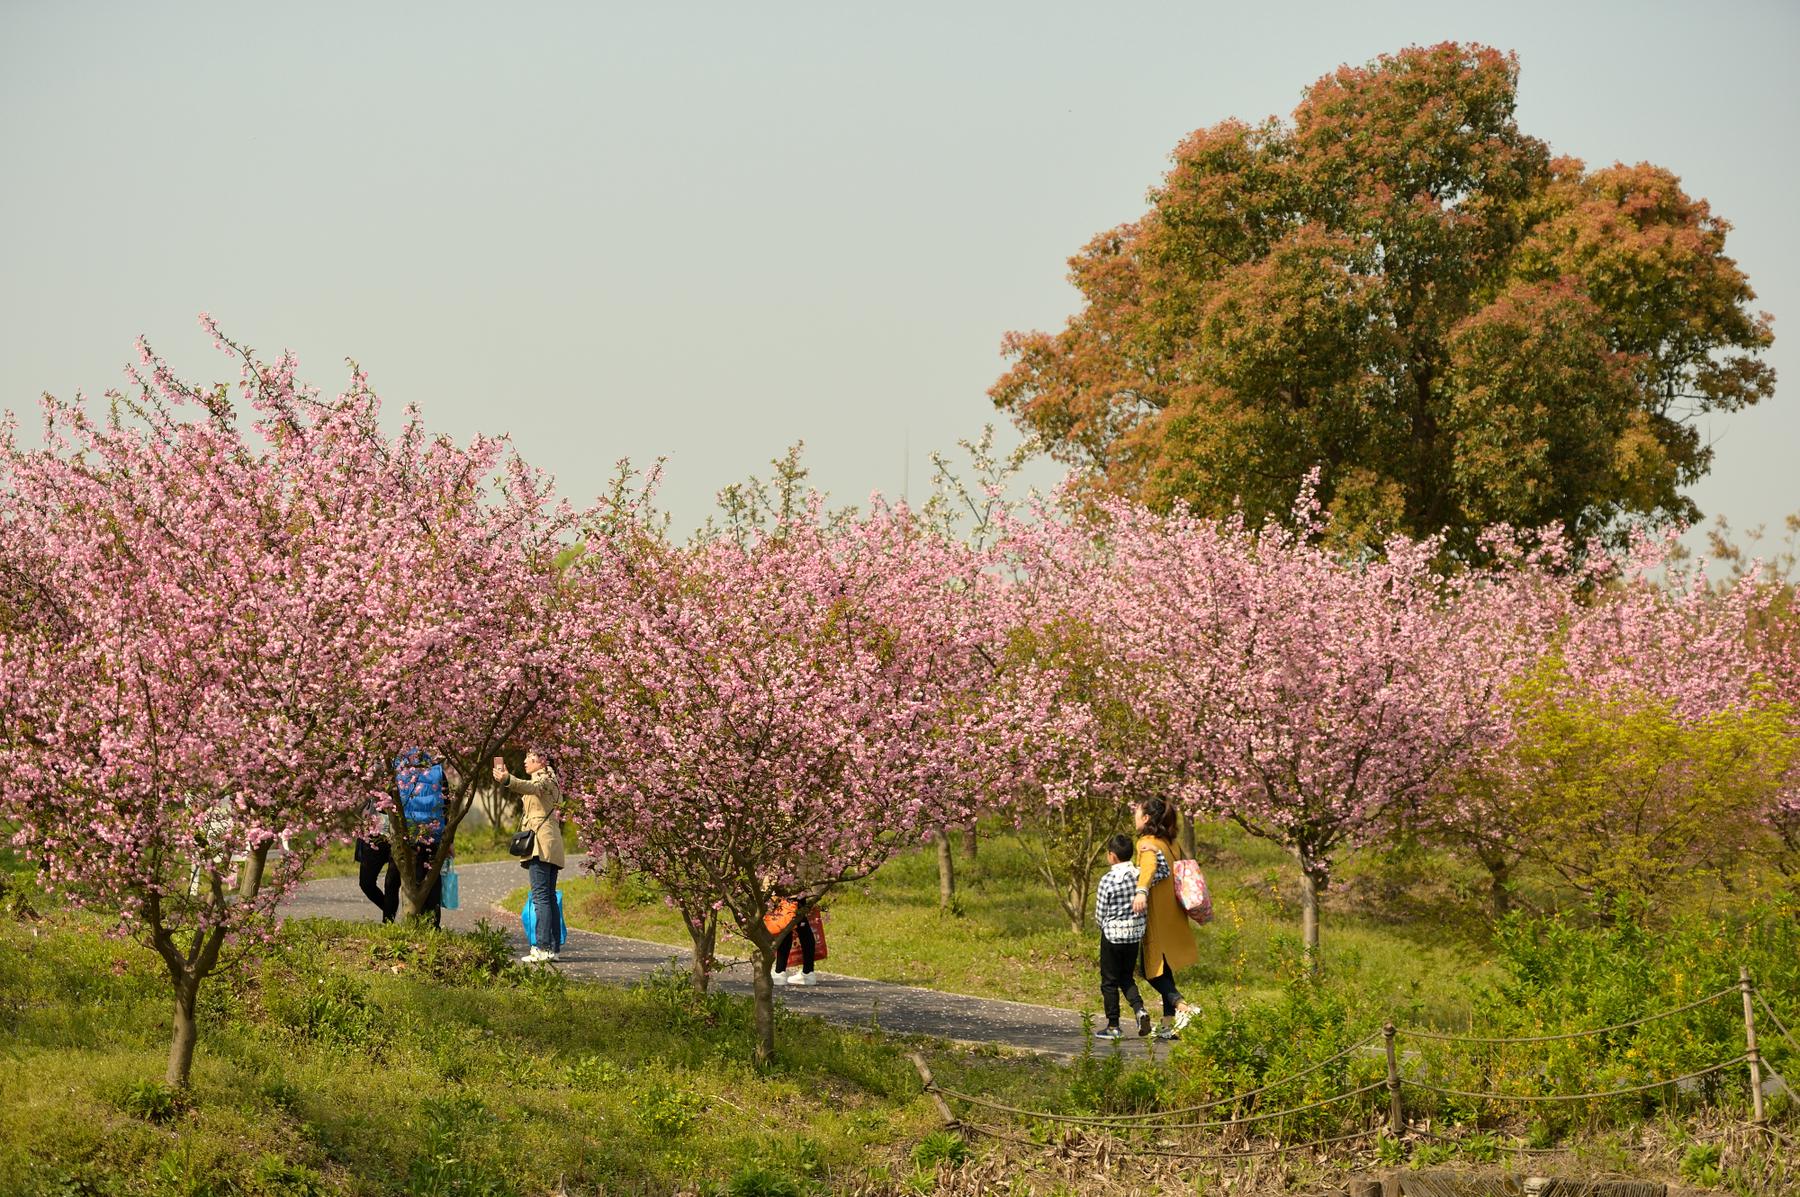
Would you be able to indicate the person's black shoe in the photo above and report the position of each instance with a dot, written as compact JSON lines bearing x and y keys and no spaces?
{"x":1143,"y":1017}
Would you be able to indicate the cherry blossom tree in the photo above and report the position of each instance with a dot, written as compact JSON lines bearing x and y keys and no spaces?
{"x":1652,"y":736}
{"x":1073,"y":743}
{"x":481,"y":626}
{"x":1308,"y":697}
{"x":224,"y":620}
{"x":491,"y":630}
{"x":193,"y":665}
{"x":773,"y":710}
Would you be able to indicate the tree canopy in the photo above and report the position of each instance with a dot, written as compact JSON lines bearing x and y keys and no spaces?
{"x":1401,"y":288}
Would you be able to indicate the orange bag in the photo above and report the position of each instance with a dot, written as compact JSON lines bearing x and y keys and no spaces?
{"x":779,"y":919}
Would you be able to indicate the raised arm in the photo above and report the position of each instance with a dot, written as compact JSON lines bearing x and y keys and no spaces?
{"x":523,"y":785}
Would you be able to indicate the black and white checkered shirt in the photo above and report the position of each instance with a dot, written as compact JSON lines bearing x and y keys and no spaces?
{"x":1112,"y":904}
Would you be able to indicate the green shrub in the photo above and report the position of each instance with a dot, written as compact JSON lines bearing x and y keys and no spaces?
{"x":592,"y":1072}
{"x":668,"y":1109}
{"x":761,"y":1180}
{"x":273,"y":1176}
{"x":1700,"y":1164}
{"x":451,"y":1163}
{"x":150,"y":1100}
{"x":1563,"y":975}
{"x":940,"y":1147}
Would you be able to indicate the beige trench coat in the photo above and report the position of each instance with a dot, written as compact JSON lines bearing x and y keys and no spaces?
{"x":541,"y":799}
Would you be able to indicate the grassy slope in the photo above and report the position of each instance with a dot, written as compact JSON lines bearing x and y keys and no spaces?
{"x":1012,"y":941}
{"x":366,"y":1060}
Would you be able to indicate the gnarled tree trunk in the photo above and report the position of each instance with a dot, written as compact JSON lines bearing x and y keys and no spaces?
{"x":763,"y":987}
{"x":186,"y":1032}
{"x":186,"y":971}
{"x":705,"y":935}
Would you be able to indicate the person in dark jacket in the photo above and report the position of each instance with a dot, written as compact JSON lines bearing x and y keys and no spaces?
{"x":419,"y":779}
{"x":376,"y":874}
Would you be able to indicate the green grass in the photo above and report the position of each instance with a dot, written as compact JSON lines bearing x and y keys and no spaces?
{"x":356,"y":1059}
{"x":1009,"y":938}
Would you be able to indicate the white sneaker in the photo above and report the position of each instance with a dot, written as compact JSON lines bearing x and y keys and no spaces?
{"x":778,"y":977}
{"x":532,"y":957}
{"x":805,"y":979}
{"x":552,"y":957}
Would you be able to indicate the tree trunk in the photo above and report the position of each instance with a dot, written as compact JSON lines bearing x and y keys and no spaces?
{"x":705,"y":937}
{"x":969,"y":842}
{"x":765,"y":1005}
{"x":186,"y":1033}
{"x":1074,"y":904}
{"x":250,"y":878}
{"x":1499,"y":873}
{"x":1187,"y":837}
{"x":1309,"y":918}
{"x":405,"y":863}
{"x":946,"y":870}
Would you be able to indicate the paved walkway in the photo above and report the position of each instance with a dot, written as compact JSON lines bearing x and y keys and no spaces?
{"x":851,"y":1001}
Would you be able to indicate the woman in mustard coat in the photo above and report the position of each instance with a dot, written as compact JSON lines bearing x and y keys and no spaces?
{"x":1168,"y":939}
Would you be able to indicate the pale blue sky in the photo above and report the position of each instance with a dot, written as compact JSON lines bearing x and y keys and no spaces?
{"x":709,"y":230}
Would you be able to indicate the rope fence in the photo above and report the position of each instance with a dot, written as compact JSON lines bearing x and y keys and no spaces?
{"x":1409,"y":1083}
{"x":1420,"y":1033}
{"x":1114,"y":1123}
{"x":1776,"y":1019}
{"x":1395,"y":1083}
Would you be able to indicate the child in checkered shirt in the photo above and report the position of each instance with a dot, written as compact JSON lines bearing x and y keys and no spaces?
{"x":1121,"y":931}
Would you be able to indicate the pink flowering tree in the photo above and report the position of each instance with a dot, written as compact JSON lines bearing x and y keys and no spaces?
{"x":1777,"y":643}
{"x":1073,"y":743}
{"x":1309,"y":698}
{"x":772,"y":711}
{"x":193,"y":665}
{"x":1649,"y":744}
{"x":478,"y":635}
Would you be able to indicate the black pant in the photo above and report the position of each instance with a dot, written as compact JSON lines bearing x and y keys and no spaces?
{"x":374,"y":856}
{"x":1164,"y":983}
{"x":801,"y":927}
{"x":1117,"y":962}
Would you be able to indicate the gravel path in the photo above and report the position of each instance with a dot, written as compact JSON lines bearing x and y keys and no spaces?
{"x":851,"y":1001}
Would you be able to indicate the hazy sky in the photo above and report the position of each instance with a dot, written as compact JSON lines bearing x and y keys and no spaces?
{"x":708,"y":230}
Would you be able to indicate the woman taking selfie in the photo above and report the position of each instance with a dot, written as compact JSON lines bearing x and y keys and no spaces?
{"x":541,"y":798}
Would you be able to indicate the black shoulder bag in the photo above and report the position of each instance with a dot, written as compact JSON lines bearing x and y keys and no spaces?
{"x":525,"y":842}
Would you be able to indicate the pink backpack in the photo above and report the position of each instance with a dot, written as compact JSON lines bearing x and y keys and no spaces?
{"x":1190,"y":890}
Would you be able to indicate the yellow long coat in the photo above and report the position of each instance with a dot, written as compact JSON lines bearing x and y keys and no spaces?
{"x":1167,"y":933}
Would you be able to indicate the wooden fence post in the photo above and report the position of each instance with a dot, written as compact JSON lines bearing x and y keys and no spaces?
{"x":1395,"y":1121}
{"x":1756,"y":1102}
{"x":937,"y":1098}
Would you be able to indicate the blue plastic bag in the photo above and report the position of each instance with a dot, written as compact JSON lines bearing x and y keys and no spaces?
{"x":528,"y":916}
{"x":447,"y":889}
